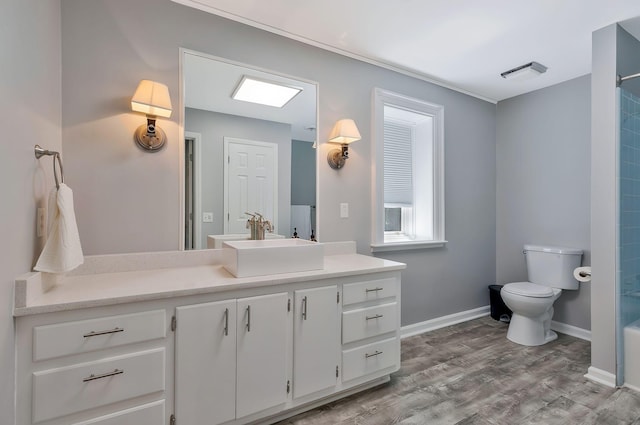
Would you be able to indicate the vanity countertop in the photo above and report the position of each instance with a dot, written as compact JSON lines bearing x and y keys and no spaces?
{"x":101,"y":282}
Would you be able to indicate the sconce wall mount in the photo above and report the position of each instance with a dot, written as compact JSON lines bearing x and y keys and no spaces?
{"x":151,"y":98}
{"x":344,"y":132}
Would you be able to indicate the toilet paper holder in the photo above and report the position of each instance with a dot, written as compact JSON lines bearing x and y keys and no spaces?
{"x":582,"y":274}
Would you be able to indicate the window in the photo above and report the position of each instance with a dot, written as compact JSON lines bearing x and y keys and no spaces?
{"x":408,"y":176}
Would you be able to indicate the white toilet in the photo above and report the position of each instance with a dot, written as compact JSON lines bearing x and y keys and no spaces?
{"x":550,"y":270}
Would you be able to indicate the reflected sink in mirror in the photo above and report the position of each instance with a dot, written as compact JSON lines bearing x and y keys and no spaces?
{"x":272,"y":256}
{"x":216,"y":241}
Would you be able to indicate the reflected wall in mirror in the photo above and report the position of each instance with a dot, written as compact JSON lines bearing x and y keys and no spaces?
{"x":245,"y":157}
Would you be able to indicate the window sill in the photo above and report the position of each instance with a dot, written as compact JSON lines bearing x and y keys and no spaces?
{"x":406,"y":246}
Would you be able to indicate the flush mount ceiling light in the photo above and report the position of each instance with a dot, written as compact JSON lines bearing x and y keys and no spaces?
{"x":264,"y":92}
{"x":525,"y":72}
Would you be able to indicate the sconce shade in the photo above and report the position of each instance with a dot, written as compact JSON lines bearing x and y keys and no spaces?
{"x":344,"y":131}
{"x":152,"y":98}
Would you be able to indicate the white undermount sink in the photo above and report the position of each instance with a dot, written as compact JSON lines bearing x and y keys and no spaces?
{"x":273,"y":256}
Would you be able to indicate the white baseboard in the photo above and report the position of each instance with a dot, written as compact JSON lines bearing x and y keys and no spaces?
{"x":571,"y":330}
{"x":632,"y":387}
{"x":463,"y":316}
{"x":601,"y":376}
{"x":444,"y":321}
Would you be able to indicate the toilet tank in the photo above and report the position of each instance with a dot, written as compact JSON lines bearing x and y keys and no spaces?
{"x":552,"y":266}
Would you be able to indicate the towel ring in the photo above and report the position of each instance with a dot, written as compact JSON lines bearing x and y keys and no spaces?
{"x":57,"y":159}
{"x":40,"y":152}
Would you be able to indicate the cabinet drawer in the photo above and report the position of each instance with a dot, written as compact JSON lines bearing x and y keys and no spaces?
{"x":370,"y":358}
{"x":82,"y":336}
{"x":367,"y":322}
{"x":147,"y":414}
{"x":70,"y":389}
{"x":368,"y":291}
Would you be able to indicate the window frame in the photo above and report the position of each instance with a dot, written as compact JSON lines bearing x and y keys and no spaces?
{"x":381,"y":97}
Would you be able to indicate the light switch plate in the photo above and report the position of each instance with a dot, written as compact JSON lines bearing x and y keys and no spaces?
{"x":344,"y":210}
{"x":41,"y":225}
{"x":207,"y":217}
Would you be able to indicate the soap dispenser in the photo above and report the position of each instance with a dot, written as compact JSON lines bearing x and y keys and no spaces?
{"x":295,"y":233}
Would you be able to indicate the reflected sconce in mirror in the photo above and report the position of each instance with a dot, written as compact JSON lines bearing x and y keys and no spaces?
{"x":344,"y":132}
{"x":151,"y":98}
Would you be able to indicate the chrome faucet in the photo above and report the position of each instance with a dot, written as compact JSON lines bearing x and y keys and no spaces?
{"x":261,"y":226}
{"x":252,"y":224}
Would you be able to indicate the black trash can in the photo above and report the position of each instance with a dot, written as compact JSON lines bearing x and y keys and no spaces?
{"x":499,"y":311}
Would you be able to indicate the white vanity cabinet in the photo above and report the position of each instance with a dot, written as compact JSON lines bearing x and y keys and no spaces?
{"x":263,"y":334}
{"x":316,"y":340}
{"x":231,"y":358}
{"x":370,"y":328}
{"x":106,"y":369}
{"x":191,"y":345}
{"x":205,"y":363}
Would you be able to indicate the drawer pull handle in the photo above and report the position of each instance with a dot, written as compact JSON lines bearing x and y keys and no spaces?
{"x":377,"y":316}
{"x":373,"y":290}
{"x":248,"y":318}
{"x":377,"y":353}
{"x":226,"y":321}
{"x":112,"y":331}
{"x":304,"y":308}
{"x":93,"y":377}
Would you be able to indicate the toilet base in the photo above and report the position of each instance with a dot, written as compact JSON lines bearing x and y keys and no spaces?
{"x":530,"y":332}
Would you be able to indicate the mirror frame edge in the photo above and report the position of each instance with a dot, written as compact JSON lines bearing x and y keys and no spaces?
{"x":182,"y":51}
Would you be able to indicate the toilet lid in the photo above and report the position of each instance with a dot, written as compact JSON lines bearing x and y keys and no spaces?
{"x":528,"y":289}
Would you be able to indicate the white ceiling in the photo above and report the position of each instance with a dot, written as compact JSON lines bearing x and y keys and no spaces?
{"x":462,"y":44}
{"x":209,"y":83}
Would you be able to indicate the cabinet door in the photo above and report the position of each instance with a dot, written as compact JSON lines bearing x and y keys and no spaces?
{"x":206,"y":363}
{"x":262,"y":353}
{"x":316,"y":340}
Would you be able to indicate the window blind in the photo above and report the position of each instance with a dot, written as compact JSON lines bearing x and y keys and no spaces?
{"x":398,"y":163}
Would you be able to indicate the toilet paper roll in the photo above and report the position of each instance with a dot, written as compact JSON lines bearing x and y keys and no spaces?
{"x":582,"y":274}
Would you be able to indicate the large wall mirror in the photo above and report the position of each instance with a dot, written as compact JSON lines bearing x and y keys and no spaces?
{"x":241,"y":156}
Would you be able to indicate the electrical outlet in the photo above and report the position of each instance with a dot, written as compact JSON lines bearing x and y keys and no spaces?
{"x":344,"y":210}
{"x":207,"y":217}
{"x":41,"y":223}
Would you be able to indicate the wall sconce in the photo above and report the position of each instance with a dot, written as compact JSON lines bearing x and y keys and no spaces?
{"x":344,"y":132}
{"x":151,"y":98}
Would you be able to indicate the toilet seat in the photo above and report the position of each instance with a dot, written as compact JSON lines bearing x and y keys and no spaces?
{"x":528,"y":289}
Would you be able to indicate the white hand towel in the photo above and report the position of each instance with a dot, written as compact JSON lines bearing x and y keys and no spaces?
{"x":62,"y":252}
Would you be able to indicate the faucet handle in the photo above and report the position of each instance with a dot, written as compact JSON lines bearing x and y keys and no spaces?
{"x":253,"y":217}
{"x":260,"y":217}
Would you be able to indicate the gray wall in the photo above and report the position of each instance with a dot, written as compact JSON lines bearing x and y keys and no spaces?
{"x":30,"y":105}
{"x":109,"y":45}
{"x":303,"y":172}
{"x":614,"y":52}
{"x":214,"y":127}
{"x":543,"y":150}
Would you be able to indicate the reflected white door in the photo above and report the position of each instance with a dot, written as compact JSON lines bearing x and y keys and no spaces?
{"x":250,"y":182}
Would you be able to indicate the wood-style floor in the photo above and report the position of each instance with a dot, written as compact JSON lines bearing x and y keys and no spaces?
{"x":471,"y":374}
